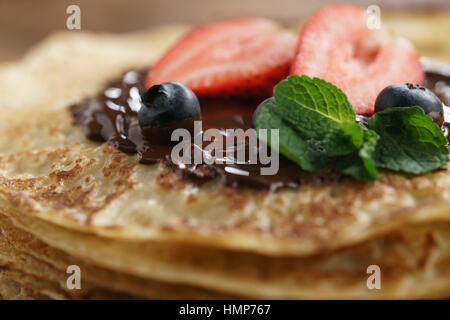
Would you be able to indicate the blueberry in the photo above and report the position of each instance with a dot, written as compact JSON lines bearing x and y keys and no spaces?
{"x":408,"y":95}
{"x":166,"y":104}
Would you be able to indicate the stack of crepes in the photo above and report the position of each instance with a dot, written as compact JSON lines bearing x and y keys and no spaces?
{"x":137,"y":231}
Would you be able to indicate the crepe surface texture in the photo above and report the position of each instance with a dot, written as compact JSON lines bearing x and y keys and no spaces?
{"x":67,"y":200}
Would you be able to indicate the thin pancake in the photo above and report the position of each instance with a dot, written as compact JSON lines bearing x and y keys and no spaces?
{"x":413,"y":261}
{"x":50,"y":170}
{"x":37,"y":266}
{"x":17,"y":285}
{"x":14,"y":290}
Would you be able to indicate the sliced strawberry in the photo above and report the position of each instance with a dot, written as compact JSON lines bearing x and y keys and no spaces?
{"x":336,"y":45}
{"x":234,"y":57}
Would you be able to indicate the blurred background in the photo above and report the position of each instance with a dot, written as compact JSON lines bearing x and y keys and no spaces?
{"x":23,"y":23}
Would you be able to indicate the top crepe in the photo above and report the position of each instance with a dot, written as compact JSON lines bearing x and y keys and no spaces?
{"x":48,"y":169}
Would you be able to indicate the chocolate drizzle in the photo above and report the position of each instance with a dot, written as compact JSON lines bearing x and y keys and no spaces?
{"x":111,"y":116}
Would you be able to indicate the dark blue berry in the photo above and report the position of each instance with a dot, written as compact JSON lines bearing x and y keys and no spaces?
{"x":166,"y":104}
{"x":408,"y":95}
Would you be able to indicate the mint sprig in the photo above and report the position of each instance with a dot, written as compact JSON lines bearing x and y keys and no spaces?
{"x":319,"y":111}
{"x":317,"y":130}
{"x":361,"y":165}
{"x":409,"y":141}
{"x":307,"y":152}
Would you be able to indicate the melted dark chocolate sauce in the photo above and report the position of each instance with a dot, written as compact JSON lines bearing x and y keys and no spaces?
{"x":111,"y":116}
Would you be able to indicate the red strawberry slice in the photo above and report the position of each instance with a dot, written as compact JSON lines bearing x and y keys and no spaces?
{"x":234,"y":57}
{"x":337,"y":46}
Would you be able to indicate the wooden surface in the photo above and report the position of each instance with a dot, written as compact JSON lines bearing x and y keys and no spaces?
{"x":23,"y":23}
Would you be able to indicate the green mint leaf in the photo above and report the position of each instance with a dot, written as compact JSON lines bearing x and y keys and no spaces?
{"x":319,"y":110}
{"x":409,"y":141}
{"x":308,"y":153}
{"x":360,"y":164}
{"x":347,"y":139}
{"x":317,"y":130}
